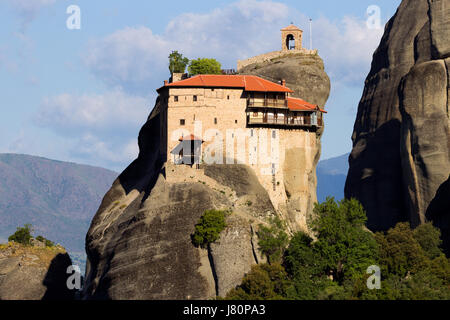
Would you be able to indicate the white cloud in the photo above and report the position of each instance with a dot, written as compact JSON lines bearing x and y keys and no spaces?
{"x":112,"y":153}
{"x":29,"y":9}
{"x":346,"y":47}
{"x":100,"y":129}
{"x":101,"y":113}
{"x":136,"y":59}
{"x":134,"y":62}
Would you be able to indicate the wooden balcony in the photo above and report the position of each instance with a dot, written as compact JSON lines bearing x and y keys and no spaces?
{"x":285,"y":121}
{"x":267,"y":103}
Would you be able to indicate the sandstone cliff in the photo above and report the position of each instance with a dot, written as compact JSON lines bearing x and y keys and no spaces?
{"x":33,"y":273}
{"x":139,"y":244}
{"x":305,"y":75}
{"x":400,"y":163}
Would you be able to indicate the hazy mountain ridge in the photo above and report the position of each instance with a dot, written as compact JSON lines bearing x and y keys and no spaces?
{"x":331,"y":176}
{"x":57,"y":198}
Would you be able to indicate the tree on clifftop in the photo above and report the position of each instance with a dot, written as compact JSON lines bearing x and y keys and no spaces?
{"x":205,"y":66}
{"x":177,"y":63}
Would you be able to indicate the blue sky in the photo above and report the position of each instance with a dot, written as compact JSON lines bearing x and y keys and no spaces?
{"x":82,"y":95}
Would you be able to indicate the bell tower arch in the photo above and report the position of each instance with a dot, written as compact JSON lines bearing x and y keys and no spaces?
{"x":291,"y":38}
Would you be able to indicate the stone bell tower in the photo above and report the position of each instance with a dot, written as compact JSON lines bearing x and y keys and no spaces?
{"x":291,"y":38}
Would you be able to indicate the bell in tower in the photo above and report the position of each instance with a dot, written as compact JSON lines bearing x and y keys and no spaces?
{"x":291,"y":38}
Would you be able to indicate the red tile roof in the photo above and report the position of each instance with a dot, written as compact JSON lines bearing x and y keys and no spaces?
{"x":296,"y":104}
{"x":249,"y":83}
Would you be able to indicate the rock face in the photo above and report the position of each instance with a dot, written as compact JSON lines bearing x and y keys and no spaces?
{"x":139,"y":243}
{"x":33,"y":273}
{"x":400,"y":163}
{"x":305,"y":75}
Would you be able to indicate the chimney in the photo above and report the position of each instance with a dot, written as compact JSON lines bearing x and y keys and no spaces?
{"x":178,"y":77}
{"x":283,"y":83}
{"x":166,"y":82}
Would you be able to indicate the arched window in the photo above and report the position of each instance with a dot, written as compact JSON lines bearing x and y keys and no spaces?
{"x":290,"y":42}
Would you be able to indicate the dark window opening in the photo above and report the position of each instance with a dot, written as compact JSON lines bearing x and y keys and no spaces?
{"x":290,"y":42}
{"x":182,"y":122}
{"x":195,"y":98}
{"x":175,"y":98}
{"x":215,"y":120}
{"x":228,"y":97}
{"x":235,"y":121}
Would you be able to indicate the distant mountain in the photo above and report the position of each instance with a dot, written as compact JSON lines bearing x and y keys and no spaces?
{"x":58,"y":198}
{"x":331,"y":176}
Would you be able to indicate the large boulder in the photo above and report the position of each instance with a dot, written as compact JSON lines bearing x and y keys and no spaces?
{"x":34,"y":273}
{"x":401,"y":139}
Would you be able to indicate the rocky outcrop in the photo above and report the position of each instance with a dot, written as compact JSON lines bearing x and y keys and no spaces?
{"x":33,"y":273}
{"x":401,"y":142}
{"x":139,"y":243}
{"x":305,"y":75}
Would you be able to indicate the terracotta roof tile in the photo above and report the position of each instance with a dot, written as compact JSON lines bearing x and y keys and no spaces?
{"x":249,"y":83}
{"x":296,"y":104}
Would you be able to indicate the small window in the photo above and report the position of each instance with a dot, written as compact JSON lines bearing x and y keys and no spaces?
{"x":215,"y":120}
{"x":251,"y":132}
{"x":212,"y":89}
{"x":274,"y":134}
{"x":235,"y":121}
{"x":228,"y":97}
{"x":175,"y":98}
{"x":182,"y":122}
{"x":195,"y":98}
{"x":255,"y":114}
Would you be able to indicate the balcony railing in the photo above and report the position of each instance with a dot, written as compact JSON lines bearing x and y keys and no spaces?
{"x":285,"y":121}
{"x":270,"y":103}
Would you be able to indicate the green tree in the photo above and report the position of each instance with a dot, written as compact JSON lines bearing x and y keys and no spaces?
{"x":177,"y":63}
{"x":400,"y":253}
{"x":342,"y":241}
{"x":22,"y":235}
{"x":263,"y":282}
{"x":209,"y":227}
{"x":205,"y":66}
{"x":47,"y":242}
{"x":273,"y":240}
{"x":429,"y":238}
{"x":306,"y":268}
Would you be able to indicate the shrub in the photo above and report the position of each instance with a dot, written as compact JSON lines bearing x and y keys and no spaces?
{"x":273,"y":240}
{"x":263,"y":282}
{"x":47,"y":242}
{"x":209,"y":227}
{"x":22,"y":235}
{"x":177,"y":63}
{"x":205,"y":66}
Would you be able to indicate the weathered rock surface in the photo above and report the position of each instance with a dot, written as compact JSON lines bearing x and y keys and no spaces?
{"x":304,"y":74}
{"x":33,"y":273}
{"x":139,"y":243}
{"x":401,"y":140}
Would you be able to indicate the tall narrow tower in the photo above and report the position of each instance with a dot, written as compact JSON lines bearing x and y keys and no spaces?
{"x":291,"y":38}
